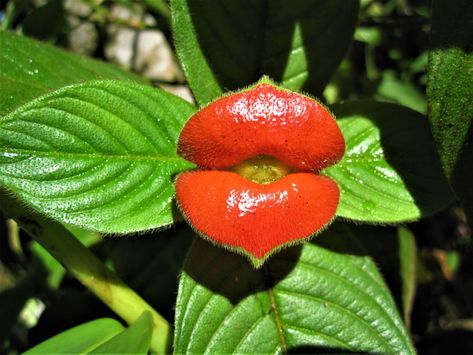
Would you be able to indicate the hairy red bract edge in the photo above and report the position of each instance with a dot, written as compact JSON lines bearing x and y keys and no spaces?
{"x":278,"y":141}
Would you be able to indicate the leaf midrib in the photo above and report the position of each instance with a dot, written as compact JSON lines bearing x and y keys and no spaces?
{"x":101,"y":155}
{"x":275,"y":312}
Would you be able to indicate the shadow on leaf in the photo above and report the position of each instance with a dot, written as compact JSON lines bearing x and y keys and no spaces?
{"x":291,"y":43}
{"x":232,"y":275}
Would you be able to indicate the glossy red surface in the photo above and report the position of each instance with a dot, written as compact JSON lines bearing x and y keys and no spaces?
{"x":263,"y":121}
{"x":238,"y":213}
{"x":259,"y":123}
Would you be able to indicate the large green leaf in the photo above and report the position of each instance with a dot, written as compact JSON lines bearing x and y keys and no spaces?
{"x":226,"y":45}
{"x":390,"y":171}
{"x":99,"y":155}
{"x":81,"y":339}
{"x":30,"y":68}
{"x":316,"y":297}
{"x":450,"y":93}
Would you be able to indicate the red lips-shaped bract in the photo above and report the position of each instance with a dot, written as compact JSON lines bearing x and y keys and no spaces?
{"x":248,"y":217}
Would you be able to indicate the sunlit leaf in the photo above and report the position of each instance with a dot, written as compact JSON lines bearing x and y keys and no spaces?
{"x":29,"y":69}
{"x":99,"y":155}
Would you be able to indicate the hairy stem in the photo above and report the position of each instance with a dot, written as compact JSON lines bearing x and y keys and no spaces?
{"x":87,"y":268}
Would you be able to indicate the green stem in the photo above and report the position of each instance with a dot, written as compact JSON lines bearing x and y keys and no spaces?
{"x":88,"y":269}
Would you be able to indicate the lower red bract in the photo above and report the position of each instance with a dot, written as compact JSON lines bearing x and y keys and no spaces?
{"x":256,"y":218}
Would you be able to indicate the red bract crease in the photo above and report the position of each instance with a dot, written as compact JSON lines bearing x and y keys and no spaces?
{"x":235,"y":212}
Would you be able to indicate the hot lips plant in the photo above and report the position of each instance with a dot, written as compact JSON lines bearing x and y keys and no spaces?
{"x":255,"y":171}
{"x":260,"y":152}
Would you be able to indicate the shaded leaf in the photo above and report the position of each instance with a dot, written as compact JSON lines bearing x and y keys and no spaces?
{"x":99,"y":155}
{"x":450,"y":94}
{"x":45,"y":21}
{"x":390,"y":171}
{"x":224,"y":45}
{"x":325,"y":297}
{"x":30,"y":69}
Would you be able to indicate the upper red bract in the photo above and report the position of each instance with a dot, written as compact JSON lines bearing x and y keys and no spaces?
{"x":263,"y":121}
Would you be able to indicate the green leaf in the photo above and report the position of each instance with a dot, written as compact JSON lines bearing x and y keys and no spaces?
{"x":224,"y":45}
{"x":99,"y":155}
{"x":321,"y":298}
{"x":390,"y":171}
{"x":81,"y":339}
{"x":134,"y":340}
{"x":30,"y":69}
{"x":450,"y":94}
{"x":394,"y":251}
